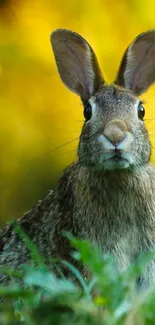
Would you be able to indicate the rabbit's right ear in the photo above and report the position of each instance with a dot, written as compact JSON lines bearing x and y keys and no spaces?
{"x":76,"y":63}
{"x":137,"y":69}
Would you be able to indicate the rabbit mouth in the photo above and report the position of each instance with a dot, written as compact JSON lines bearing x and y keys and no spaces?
{"x":116,"y":161}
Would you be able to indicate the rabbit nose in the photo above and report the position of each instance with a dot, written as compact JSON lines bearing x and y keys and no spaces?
{"x":115,"y":131}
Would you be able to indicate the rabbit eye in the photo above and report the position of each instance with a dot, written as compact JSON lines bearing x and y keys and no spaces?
{"x":141,"y":111}
{"x":87,"y":112}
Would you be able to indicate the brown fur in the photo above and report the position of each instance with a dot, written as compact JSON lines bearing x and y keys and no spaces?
{"x":113,"y":208}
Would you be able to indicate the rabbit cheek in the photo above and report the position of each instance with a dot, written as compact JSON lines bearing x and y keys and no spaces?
{"x":86,"y":147}
{"x":141,"y":145}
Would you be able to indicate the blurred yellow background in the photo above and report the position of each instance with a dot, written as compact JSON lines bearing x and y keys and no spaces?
{"x":37,"y":113}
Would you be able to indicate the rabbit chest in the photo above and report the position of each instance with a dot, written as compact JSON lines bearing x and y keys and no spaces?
{"x":117,"y":214}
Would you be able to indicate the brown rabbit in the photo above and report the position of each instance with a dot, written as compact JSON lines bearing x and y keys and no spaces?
{"x":108,"y":195}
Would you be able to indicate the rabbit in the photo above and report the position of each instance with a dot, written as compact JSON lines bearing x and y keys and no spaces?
{"x":107,"y":196}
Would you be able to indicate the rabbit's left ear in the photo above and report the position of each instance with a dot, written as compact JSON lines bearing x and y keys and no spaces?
{"x":137,"y":69}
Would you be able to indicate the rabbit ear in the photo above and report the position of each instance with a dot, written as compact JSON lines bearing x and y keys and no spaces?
{"x":137,"y":69}
{"x":76,"y":63}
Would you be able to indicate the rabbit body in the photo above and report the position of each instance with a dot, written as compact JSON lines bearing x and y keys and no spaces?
{"x":107,"y":196}
{"x":92,"y":206}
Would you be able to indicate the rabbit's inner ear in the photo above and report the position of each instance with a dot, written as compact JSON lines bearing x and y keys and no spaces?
{"x":76,"y":63}
{"x":137,"y":69}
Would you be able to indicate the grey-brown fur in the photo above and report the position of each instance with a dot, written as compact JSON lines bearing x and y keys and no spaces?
{"x":114,"y":208}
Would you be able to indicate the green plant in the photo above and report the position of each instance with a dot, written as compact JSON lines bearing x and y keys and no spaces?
{"x":107,"y":297}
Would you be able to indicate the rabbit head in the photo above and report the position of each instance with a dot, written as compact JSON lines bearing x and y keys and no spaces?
{"x":114,"y":135}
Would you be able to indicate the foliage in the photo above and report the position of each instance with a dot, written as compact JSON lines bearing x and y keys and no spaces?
{"x":106,"y":297}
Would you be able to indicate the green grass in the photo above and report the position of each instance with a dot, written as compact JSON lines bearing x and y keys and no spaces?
{"x":107,"y":298}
